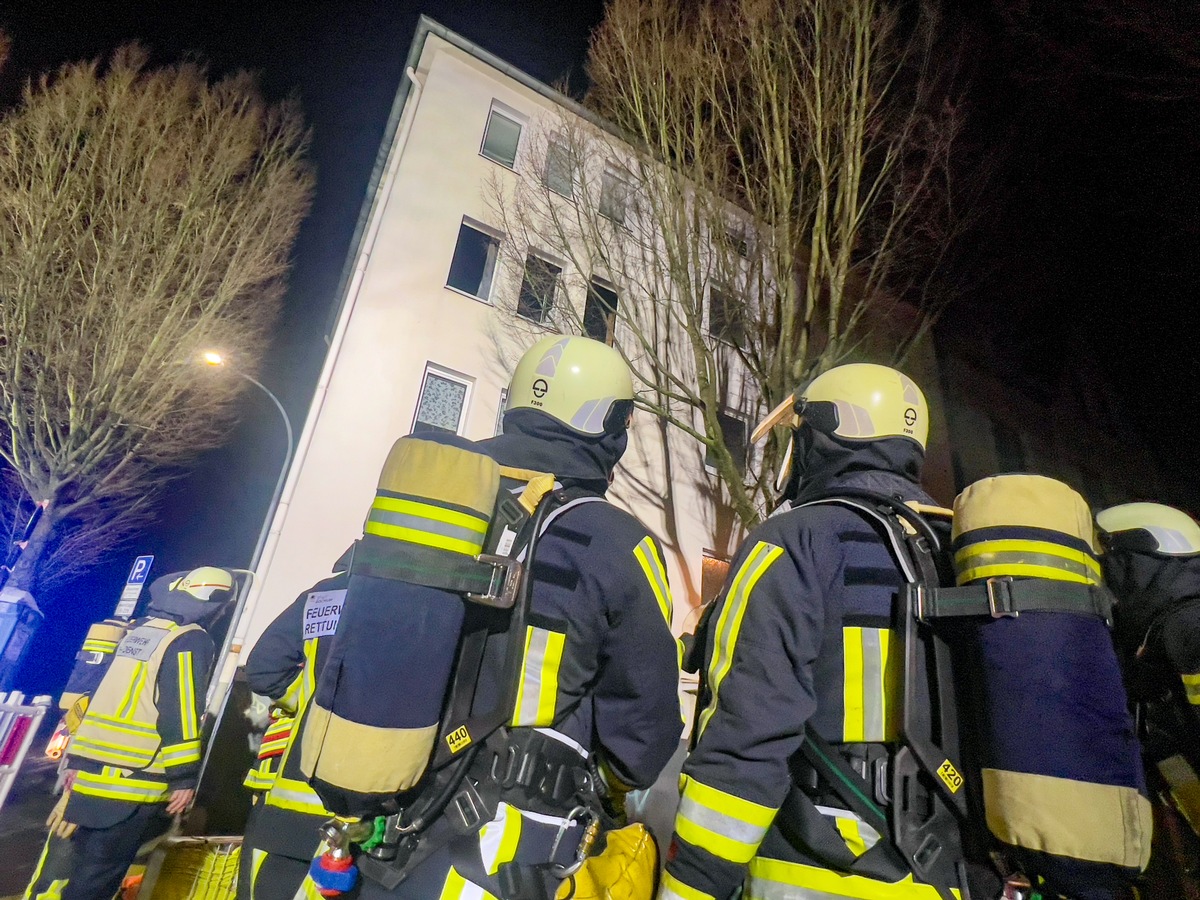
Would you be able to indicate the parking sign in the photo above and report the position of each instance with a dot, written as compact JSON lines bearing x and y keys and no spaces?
{"x":133,"y":586}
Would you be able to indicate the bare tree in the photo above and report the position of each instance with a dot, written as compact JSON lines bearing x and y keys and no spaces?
{"x":144,"y":215}
{"x":759,"y":190}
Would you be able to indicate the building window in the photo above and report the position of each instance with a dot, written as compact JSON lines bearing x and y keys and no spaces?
{"x":614,"y":196}
{"x":726,"y":316}
{"x":538,"y":287}
{"x":733,"y":430}
{"x":442,"y":403}
{"x":500,"y":410}
{"x":713,"y":572}
{"x":1010,"y":455}
{"x":600,"y":312}
{"x":735,"y":239}
{"x":560,"y":172}
{"x":500,"y":138}
{"x":474,"y":262}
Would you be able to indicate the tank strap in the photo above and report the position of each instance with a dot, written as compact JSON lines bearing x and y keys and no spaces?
{"x":1004,"y":597}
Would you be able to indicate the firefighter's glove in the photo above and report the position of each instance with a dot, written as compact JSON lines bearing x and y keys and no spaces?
{"x":57,"y":823}
{"x":612,"y":791}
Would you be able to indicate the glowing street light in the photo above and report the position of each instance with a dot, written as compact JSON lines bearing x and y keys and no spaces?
{"x":216,"y":359}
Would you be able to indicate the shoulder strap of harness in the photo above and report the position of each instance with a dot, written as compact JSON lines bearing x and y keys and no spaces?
{"x":929,"y":840}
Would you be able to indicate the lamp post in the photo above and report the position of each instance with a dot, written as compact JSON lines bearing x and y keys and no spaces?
{"x":217,"y":360}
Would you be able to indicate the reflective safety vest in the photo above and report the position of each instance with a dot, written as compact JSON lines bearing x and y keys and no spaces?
{"x":120,"y":728}
{"x":289,"y":789}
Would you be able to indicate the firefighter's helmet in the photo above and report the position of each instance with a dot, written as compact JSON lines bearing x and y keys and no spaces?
{"x":206,"y":583}
{"x":582,"y":383}
{"x":1149,"y":528}
{"x":856,"y":402}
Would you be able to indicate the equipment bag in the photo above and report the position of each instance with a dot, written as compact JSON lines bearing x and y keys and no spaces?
{"x":1054,"y":755}
{"x":438,"y":531}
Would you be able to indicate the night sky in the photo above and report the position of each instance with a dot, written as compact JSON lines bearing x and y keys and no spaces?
{"x":1090,"y":230}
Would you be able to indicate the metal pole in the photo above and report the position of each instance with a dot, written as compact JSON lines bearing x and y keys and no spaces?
{"x":219,"y":684}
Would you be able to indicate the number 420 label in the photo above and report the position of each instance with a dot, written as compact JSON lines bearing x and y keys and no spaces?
{"x":949,"y":774}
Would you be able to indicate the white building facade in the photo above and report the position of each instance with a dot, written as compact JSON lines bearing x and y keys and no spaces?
{"x":419,"y":338}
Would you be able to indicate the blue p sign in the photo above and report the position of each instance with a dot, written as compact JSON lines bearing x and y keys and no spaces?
{"x":141,"y":568}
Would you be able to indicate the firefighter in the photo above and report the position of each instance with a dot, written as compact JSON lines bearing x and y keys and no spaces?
{"x":281,"y":834}
{"x":597,"y":683}
{"x":136,"y":754}
{"x":802,"y":634}
{"x":1152,"y":563}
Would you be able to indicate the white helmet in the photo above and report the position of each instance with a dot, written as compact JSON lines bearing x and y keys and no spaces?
{"x":1149,"y":528}
{"x":582,"y":383}
{"x":205,"y":581}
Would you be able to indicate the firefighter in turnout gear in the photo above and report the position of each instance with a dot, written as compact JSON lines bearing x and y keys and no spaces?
{"x":282,"y":832}
{"x":136,"y":754}
{"x":593,"y":665}
{"x":1152,"y":563}
{"x":802,"y":635}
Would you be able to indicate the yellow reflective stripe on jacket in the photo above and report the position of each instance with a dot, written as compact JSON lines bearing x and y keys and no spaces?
{"x":187,"y":697}
{"x":426,"y":524}
{"x":261,"y":777}
{"x":656,"y":574}
{"x":111,"y":785}
{"x":119,"y":726}
{"x":1191,"y":686}
{"x":99,"y":646}
{"x":871,"y":684}
{"x":296,"y":796}
{"x":1025,"y":558}
{"x":498,"y":838}
{"x":178,"y":754}
{"x":727,"y":826}
{"x":672,"y":888}
{"x":537,"y":693}
{"x":458,"y":888}
{"x":136,"y":684}
{"x":102,"y":751}
{"x":776,"y":879}
{"x":729,"y":622}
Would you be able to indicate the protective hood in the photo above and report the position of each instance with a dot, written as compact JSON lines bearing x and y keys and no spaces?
{"x":534,"y":440}
{"x":1147,"y":584}
{"x":822,"y":462}
{"x":182,"y":607}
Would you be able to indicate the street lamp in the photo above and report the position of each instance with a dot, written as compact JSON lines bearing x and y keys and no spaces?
{"x":217,"y":360}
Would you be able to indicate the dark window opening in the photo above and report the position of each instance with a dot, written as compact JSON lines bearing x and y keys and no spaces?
{"x":536,"y":298}
{"x":733,"y":431}
{"x":726,"y":316}
{"x":600,"y":313}
{"x":474,"y":262}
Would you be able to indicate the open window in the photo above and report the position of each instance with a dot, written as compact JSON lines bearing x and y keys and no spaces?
{"x":538,"y":288}
{"x":733,"y":430}
{"x":726,"y":315}
{"x":600,"y":312}
{"x":473,"y":266}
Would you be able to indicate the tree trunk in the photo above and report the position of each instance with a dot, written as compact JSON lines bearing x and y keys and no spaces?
{"x":24,"y":573}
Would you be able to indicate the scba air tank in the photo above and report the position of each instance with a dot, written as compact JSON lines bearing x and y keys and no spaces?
{"x":371,"y":729}
{"x":1059,"y":769}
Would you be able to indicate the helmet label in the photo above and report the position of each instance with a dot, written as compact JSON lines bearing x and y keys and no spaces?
{"x":540,"y":388}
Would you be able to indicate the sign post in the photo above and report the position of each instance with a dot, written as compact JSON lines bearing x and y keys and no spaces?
{"x":133,"y":587}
